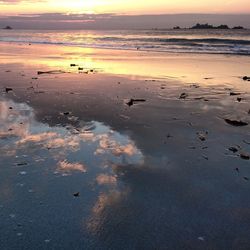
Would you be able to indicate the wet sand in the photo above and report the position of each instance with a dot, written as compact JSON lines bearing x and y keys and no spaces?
{"x":81,"y":169}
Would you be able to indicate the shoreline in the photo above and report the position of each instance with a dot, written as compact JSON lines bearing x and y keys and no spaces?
{"x":183,"y":66}
{"x":127,"y":49}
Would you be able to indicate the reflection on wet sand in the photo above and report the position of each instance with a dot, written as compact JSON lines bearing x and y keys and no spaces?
{"x":93,"y":150}
{"x":132,"y":63}
{"x":65,"y":166}
{"x":79,"y":167}
{"x":21,"y":131}
{"x":100,"y":214}
{"x":104,"y":179}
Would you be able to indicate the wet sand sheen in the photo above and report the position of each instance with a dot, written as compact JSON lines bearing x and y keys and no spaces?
{"x":80,"y":167}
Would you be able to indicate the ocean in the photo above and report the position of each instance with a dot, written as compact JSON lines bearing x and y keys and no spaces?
{"x":173,"y":41}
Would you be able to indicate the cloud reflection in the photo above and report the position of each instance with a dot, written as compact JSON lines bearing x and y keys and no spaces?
{"x":106,"y":200}
{"x":66,"y":149}
{"x":65,"y":167}
{"x":104,"y":179}
{"x":21,"y":131}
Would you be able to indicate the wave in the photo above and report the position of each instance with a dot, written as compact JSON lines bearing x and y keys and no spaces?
{"x":211,"y":45}
{"x":181,"y":40}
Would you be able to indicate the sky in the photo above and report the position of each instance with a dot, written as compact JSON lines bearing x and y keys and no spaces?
{"x":121,"y":13}
{"x":125,"y":6}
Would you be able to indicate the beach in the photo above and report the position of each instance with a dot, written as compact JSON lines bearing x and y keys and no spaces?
{"x":123,"y":149}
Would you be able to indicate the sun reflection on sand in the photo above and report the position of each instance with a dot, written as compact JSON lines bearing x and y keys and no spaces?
{"x":133,"y":63}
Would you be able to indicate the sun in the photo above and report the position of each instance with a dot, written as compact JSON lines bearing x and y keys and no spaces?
{"x":81,"y":6}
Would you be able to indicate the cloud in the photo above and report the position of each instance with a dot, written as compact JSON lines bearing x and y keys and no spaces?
{"x":19,"y":1}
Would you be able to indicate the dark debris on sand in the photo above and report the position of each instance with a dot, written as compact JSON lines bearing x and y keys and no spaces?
{"x":131,"y":102}
{"x":7,"y":90}
{"x":202,"y":136}
{"x":76,"y":194}
{"x":183,"y":96}
{"x":21,"y":164}
{"x":51,"y":72}
{"x":233,"y":149}
{"x":245,"y":156}
{"x":246,"y":78}
{"x":236,"y":123}
{"x":234,"y":93}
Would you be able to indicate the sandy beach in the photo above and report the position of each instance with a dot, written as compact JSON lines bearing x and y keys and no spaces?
{"x":116,"y":149}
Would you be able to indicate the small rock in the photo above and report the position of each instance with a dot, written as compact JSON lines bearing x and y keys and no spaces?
{"x":76,"y":194}
{"x":233,"y":149}
{"x":183,"y":96}
{"x":7,"y":90}
{"x":202,"y":136}
{"x":234,"y":94}
{"x":169,"y":136}
{"x":245,"y":156}
{"x":246,"y":78}
{"x":22,"y":164}
{"x":133,"y":101}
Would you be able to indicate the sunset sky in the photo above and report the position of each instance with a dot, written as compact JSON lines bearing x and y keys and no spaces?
{"x":124,"y":6}
{"x":121,"y":14}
